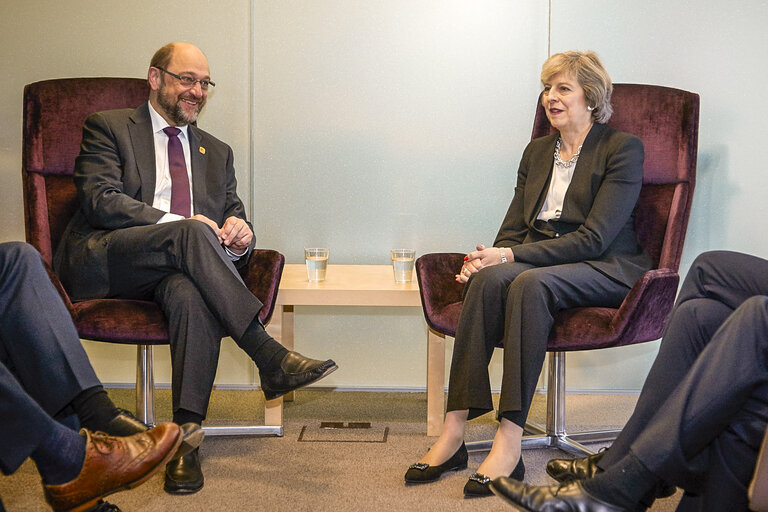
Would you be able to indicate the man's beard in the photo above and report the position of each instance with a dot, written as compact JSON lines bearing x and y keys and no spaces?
{"x":174,"y":110}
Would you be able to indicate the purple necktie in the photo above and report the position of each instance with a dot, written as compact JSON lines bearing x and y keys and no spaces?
{"x":180,"y":203}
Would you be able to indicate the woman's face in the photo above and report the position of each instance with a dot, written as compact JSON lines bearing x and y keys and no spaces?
{"x":565,"y":103}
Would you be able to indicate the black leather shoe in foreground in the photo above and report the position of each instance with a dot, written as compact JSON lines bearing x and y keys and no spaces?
{"x":104,"y":506}
{"x":126,"y":424}
{"x":296,"y":371}
{"x":478,"y":484}
{"x":192,"y":438}
{"x":556,"y":498}
{"x":183,"y":475}
{"x":421,"y":473}
{"x":565,"y":470}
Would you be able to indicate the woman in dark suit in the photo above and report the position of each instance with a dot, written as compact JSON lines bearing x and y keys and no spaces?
{"x":567,"y":240}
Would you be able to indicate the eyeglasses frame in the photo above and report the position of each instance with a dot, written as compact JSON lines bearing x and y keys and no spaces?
{"x":203,"y":83}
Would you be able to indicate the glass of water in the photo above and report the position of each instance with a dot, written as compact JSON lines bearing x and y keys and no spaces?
{"x":317,"y":263}
{"x":402,"y":264}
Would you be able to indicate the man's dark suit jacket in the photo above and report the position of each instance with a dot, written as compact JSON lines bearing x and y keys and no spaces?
{"x":115,"y":179}
{"x":597,"y":222}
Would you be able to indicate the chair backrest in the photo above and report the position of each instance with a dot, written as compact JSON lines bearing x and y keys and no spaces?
{"x":54,"y":112}
{"x":667,"y":121}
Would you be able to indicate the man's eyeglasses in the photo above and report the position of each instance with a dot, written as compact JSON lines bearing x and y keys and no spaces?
{"x":188,"y":81}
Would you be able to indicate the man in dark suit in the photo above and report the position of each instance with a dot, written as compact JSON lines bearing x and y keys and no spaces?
{"x":701,"y":415}
{"x":160,"y":219}
{"x":46,"y":382}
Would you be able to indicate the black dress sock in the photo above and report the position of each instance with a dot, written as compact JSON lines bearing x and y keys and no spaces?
{"x":60,"y":456}
{"x":625,"y":483}
{"x":182,"y":416}
{"x":94,"y":408}
{"x":261,"y":347}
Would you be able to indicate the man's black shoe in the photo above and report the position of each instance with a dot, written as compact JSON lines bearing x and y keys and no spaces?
{"x":183,"y":475}
{"x":565,"y":470}
{"x":126,"y":424}
{"x":104,"y":506}
{"x":563,"y":497}
{"x":296,"y":371}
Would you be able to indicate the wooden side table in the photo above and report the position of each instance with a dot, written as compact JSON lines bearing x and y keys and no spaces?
{"x":344,"y":285}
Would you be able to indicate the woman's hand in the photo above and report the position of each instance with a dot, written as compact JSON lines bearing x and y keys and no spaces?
{"x":479,"y":259}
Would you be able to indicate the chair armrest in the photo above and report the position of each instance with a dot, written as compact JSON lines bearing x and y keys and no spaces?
{"x":644,"y":312}
{"x":60,"y":288}
{"x":262,"y":277}
{"x":438,"y":289}
{"x":639,"y":318}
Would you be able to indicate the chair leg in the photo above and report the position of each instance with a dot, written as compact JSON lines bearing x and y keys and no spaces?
{"x":554,"y":434}
{"x":435,"y":382}
{"x":145,"y":385}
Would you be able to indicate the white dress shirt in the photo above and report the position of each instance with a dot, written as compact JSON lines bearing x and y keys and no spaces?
{"x":558,"y":186}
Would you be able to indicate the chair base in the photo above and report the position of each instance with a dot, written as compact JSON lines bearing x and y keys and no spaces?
{"x":145,"y":403}
{"x":553,"y":435}
{"x":539,"y":438}
{"x":256,"y":430}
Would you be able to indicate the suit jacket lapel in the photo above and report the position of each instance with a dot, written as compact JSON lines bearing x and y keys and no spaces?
{"x":578,"y":194}
{"x":537,"y":181}
{"x":143,"y":142}
{"x":199,"y":167}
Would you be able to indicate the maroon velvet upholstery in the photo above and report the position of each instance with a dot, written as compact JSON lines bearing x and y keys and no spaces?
{"x":54,"y":112}
{"x":667,"y":122}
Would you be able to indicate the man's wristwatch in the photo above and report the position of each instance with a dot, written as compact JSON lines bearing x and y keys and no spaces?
{"x":503,"y":255}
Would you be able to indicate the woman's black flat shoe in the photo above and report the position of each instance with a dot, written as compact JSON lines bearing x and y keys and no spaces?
{"x":477,"y":485}
{"x":421,"y":473}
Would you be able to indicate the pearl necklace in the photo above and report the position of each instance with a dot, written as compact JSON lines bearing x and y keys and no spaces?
{"x":559,"y":162}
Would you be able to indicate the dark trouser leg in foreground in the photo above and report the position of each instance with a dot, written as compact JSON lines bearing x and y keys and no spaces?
{"x":704,"y":438}
{"x":717,"y":283}
{"x":38,"y":341}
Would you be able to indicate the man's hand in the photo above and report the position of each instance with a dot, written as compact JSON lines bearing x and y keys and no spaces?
{"x":210,"y":223}
{"x":236,"y":235}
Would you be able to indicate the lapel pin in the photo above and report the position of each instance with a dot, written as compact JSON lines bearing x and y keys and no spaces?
{"x":202,"y":150}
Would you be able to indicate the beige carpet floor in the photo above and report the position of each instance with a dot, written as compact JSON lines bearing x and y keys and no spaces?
{"x":315,"y":469}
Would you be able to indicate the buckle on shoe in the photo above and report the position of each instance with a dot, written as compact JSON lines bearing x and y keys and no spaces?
{"x":480,"y":478}
{"x":419,"y":465}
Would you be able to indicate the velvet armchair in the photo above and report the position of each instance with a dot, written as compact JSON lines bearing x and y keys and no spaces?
{"x":53,"y":116}
{"x":666,"y":120}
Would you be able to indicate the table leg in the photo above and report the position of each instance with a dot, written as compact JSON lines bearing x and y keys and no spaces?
{"x":287,"y":339}
{"x":273,"y":412}
{"x":435,"y":382}
{"x":280,"y":328}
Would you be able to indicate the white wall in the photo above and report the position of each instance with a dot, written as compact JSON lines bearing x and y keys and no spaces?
{"x":368,"y":125}
{"x":385,"y":124}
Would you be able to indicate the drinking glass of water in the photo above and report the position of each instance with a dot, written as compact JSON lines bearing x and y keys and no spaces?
{"x":317,"y":263}
{"x":402,"y":264}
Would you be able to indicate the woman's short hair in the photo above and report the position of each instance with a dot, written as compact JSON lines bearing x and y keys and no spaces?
{"x":592,"y":76}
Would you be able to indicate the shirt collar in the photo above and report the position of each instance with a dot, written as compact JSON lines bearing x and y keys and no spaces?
{"x":158,"y":123}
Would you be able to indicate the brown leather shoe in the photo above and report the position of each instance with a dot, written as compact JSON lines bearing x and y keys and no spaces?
{"x":113,"y":464}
